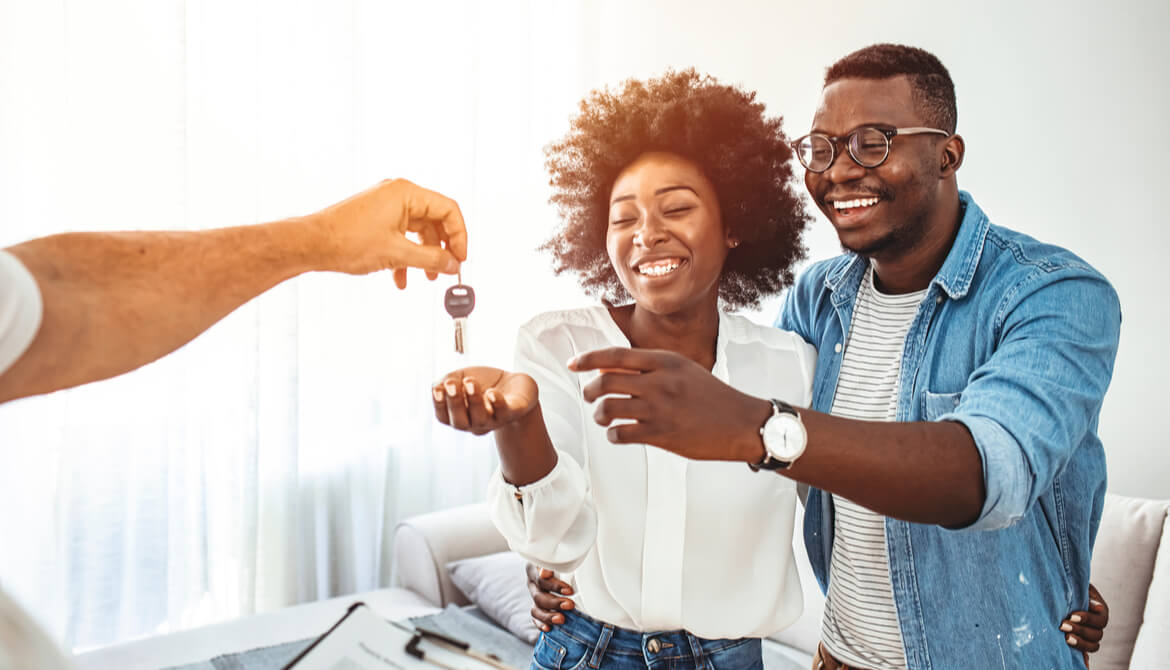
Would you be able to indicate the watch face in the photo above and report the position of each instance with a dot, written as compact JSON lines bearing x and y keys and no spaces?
{"x":784,"y":437}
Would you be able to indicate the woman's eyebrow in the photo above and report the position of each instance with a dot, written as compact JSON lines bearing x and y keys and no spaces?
{"x":664,"y":189}
{"x":667,"y":189}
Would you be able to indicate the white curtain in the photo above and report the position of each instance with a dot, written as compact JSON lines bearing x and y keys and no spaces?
{"x":267,"y":462}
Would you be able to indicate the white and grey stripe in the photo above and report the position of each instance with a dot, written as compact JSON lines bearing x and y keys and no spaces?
{"x":861,"y":622}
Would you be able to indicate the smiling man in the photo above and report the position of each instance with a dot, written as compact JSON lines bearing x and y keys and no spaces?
{"x":951,"y":445}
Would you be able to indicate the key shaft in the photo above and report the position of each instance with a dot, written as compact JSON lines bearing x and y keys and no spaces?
{"x":460,"y":325}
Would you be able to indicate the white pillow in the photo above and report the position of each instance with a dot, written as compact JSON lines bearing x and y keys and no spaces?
{"x":497,"y":584}
{"x":1123,"y":566}
{"x":1153,"y":639}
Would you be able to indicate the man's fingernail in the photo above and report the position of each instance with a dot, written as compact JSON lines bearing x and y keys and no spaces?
{"x":438,"y":395}
{"x":572,"y":362}
{"x":452,"y":266}
{"x":490,"y":395}
{"x":1066,"y":627}
{"x":469,"y":386}
{"x":451,"y":388}
{"x":1095,"y":602}
{"x":567,"y":591}
{"x":1072,"y":641}
{"x":558,"y":618}
{"x":1076,"y":618}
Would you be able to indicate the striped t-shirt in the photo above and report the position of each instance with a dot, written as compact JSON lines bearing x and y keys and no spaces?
{"x":861,"y":622}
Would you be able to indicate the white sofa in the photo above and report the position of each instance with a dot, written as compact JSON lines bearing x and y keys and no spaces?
{"x":1131,"y":568}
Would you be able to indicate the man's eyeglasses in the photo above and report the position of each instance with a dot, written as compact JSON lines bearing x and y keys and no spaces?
{"x":868,"y":146}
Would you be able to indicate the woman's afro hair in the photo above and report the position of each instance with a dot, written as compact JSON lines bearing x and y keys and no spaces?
{"x":719,"y":128}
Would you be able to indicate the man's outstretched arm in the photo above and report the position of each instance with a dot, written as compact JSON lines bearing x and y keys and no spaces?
{"x":920,"y":472}
{"x":112,"y":302}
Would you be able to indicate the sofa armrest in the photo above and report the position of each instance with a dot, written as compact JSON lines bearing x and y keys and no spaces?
{"x":425,"y":544}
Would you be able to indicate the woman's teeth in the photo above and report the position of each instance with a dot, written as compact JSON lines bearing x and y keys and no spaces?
{"x":841,"y":205}
{"x":658,"y":268}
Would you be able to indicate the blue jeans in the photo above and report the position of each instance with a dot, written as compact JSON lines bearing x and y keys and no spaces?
{"x":582,"y":642}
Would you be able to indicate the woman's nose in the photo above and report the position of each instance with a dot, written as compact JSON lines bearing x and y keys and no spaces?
{"x":650,"y":231}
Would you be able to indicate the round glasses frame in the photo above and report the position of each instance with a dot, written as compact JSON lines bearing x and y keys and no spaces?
{"x":852,"y":140}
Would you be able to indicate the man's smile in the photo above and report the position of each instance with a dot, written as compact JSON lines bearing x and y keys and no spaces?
{"x":851,"y":209}
{"x":847,"y":207}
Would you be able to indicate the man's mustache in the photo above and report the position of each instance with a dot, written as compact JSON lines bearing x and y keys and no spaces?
{"x":876,"y":192}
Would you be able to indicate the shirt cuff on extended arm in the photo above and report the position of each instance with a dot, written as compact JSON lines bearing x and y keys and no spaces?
{"x":1007,"y":477}
{"x":528,"y":490}
{"x":552,"y":522}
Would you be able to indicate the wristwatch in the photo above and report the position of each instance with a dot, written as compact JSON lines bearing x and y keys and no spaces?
{"x":784,"y":438}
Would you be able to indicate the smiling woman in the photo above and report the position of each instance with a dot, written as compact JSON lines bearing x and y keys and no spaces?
{"x":676,"y":194}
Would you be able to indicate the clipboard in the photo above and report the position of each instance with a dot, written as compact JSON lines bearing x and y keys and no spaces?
{"x":362,"y":639}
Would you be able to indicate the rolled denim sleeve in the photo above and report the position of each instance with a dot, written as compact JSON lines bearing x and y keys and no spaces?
{"x":1036,"y":398}
{"x":1007,"y":477}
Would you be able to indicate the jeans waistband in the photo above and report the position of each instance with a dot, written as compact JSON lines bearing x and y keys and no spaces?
{"x":618,"y":640}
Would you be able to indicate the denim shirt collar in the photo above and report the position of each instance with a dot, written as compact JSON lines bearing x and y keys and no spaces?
{"x":955,"y":275}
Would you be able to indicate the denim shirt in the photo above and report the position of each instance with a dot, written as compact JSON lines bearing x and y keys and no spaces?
{"x":1015,"y":339}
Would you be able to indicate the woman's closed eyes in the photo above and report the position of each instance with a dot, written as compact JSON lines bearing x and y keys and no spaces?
{"x":675,"y":210}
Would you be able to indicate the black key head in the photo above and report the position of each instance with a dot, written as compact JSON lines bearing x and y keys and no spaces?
{"x":459,"y":300}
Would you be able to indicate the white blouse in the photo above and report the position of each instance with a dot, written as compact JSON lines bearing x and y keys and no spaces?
{"x":650,"y":540}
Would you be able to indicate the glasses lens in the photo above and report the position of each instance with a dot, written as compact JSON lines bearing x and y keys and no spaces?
{"x":869,"y":146}
{"x":815,"y":152}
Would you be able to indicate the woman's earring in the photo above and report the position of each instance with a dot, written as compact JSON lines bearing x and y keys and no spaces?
{"x":732,"y":243}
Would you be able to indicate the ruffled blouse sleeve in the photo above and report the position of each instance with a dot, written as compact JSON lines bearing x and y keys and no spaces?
{"x":552,"y":521}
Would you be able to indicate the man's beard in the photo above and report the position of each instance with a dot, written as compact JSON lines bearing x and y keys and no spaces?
{"x":899,"y":240}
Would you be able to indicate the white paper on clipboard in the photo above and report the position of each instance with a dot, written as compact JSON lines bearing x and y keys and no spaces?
{"x":362,"y":640}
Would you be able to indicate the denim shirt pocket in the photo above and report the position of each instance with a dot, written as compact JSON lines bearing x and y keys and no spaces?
{"x":935,"y":405}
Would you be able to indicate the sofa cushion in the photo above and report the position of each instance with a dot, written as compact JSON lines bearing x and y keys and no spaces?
{"x":425,"y":544}
{"x":1152,"y":645}
{"x":497,"y":584}
{"x":1123,"y":566}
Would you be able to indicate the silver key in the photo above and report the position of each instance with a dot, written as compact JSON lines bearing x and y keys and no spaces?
{"x":459,"y":301}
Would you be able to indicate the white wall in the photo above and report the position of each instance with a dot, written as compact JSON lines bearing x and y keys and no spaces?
{"x":1063,"y":107}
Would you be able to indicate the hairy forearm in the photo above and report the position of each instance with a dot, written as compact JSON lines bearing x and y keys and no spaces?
{"x":924,"y":472}
{"x":116,"y":301}
{"x":526,"y":451}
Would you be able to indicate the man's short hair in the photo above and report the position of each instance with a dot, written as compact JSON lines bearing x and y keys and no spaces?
{"x":934,"y":92}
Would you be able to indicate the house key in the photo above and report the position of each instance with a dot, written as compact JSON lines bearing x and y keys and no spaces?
{"x":459,"y":301}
